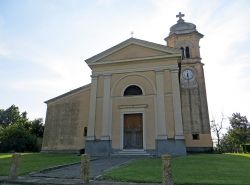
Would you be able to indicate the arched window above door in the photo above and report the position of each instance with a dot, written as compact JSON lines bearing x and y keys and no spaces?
{"x":132,"y":90}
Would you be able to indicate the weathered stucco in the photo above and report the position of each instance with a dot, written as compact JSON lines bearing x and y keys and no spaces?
{"x":65,"y":121}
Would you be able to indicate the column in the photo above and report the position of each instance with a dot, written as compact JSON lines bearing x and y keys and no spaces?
{"x":106,"y":109}
{"x":177,"y":105}
{"x":160,"y":100}
{"x":92,"y":109}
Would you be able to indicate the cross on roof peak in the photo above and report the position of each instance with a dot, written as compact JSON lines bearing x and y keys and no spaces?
{"x":180,"y":15}
{"x":132,"y":34}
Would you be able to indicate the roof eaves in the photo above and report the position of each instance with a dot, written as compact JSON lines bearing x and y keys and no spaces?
{"x":67,"y":93}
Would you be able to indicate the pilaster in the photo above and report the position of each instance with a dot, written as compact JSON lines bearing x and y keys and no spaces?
{"x":106,"y":114}
{"x":160,"y":100}
{"x":92,"y":109}
{"x":177,"y":105}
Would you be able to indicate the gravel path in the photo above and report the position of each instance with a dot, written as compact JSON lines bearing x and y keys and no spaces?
{"x":97,"y":167}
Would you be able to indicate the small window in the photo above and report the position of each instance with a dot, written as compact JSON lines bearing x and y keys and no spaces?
{"x":187,"y":52}
{"x":85,"y":132}
{"x":132,"y":90}
{"x":196,"y":136}
{"x":182,"y":53}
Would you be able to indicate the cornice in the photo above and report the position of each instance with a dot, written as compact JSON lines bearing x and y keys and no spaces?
{"x":159,"y":47}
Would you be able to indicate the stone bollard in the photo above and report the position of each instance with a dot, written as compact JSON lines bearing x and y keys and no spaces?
{"x":85,"y":168}
{"x":166,"y":170}
{"x":15,"y":161}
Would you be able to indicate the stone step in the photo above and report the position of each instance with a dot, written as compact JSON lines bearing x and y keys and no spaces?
{"x":133,"y":152}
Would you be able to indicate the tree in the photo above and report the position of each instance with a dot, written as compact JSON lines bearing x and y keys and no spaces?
{"x":17,"y":133}
{"x":217,"y":129}
{"x":37,"y":127}
{"x":237,"y":135}
{"x":12,"y":115}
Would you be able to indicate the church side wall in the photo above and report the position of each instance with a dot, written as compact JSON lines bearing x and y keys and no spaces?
{"x":65,"y":121}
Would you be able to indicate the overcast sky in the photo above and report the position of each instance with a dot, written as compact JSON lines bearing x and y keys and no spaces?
{"x":43,"y":45}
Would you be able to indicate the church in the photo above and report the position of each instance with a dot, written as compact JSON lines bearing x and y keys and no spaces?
{"x":144,"y":99}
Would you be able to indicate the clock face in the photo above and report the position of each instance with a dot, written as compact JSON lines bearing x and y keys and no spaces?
{"x":187,"y":74}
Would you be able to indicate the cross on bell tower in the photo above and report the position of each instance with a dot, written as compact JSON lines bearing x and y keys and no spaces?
{"x":180,"y":15}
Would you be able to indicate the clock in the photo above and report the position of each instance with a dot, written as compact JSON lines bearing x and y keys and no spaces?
{"x":187,"y":74}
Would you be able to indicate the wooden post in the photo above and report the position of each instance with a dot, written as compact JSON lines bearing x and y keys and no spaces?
{"x":15,"y":161}
{"x":166,"y":170}
{"x":85,"y":168}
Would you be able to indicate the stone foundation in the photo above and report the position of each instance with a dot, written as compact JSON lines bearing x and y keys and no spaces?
{"x":170,"y":146}
{"x":98,"y":148}
{"x":199,"y":149}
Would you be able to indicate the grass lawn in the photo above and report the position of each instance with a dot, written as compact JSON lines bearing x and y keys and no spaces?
{"x":36,"y":161}
{"x":199,"y":169}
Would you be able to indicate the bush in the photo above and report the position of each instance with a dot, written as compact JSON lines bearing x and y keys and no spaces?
{"x":246,"y":148}
{"x":17,"y":138}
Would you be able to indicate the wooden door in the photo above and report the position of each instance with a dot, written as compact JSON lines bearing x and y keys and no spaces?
{"x":133,"y":131}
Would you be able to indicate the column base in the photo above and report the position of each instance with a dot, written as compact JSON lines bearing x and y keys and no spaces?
{"x":170,"y":146}
{"x":90,"y":138}
{"x":98,"y":147}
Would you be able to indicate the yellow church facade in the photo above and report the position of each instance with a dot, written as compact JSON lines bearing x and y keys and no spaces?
{"x":144,"y":99}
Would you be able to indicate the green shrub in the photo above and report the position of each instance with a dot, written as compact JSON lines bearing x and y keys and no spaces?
{"x":16,"y":138}
{"x":246,"y":148}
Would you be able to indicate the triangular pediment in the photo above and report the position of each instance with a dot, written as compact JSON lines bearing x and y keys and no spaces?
{"x":132,"y":49}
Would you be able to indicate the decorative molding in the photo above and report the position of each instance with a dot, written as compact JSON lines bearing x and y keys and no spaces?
{"x":174,"y":70}
{"x":161,"y":137}
{"x":94,"y":75}
{"x":136,"y":84}
{"x":151,"y":45}
{"x":133,"y":111}
{"x":142,"y":69}
{"x":107,"y":75}
{"x":159,"y":70}
{"x":133,"y":106}
{"x":135,"y":59}
{"x":133,"y":74}
{"x":90,"y":138}
{"x":106,"y":138}
{"x":69,"y":94}
{"x":177,"y":137}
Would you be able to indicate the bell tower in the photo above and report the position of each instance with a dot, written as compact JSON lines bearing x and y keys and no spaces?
{"x":185,"y":37}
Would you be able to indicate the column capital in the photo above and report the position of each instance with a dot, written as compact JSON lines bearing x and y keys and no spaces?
{"x":107,"y":75}
{"x":159,"y":70}
{"x":175,"y":70}
{"x":93,"y":76}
